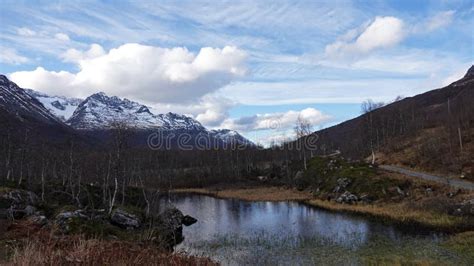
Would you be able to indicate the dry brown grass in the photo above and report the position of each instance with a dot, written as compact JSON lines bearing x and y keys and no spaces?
{"x":253,"y":194}
{"x":407,"y":154}
{"x":42,"y":247}
{"x":397,"y":212}
{"x":78,"y":250}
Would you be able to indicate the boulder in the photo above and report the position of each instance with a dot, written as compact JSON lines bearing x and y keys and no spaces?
{"x":17,"y":203}
{"x":124,"y":219}
{"x":64,"y":219}
{"x":39,"y":220}
{"x":170,"y":225}
{"x":347,"y":197}
{"x":188,"y":220}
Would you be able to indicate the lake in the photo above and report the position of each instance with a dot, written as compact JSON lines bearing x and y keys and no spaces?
{"x":236,"y":232}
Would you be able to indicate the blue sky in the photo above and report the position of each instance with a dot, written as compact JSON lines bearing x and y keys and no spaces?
{"x":253,"y":67}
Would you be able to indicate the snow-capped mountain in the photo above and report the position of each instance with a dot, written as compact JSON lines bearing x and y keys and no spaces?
{"x":102,"y":112}
{"x":62,"y":107}
{"x":230,"y":136}
{"x":18,"y":102}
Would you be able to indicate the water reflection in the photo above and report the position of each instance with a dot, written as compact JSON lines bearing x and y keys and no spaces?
{"x":289,"y":221}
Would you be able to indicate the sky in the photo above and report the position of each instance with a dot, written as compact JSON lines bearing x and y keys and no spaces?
{"x":251,"y":66}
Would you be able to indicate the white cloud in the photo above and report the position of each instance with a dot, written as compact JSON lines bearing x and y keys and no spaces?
{"x":10,"y":56}
{"x":383,"y":32}
{"x":57,"y":83}
{"x":440,"y":20}
{"x":62,"y":37}
{"x":141,"y":72}
{"x":25,"y":32}
{"x":75,"y":56}
{"x":210,"y":110}
{"x":275,"y":121}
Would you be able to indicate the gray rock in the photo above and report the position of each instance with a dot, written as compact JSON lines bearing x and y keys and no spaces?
{"x":21,"y":197}
{"x":17,"y":203}
{"x":29,"y":210}
{"x":40,"y":220}
{"x":64,"y":219}
{"x":347,"y":197}
{"x":342,"y":183}
{"x":188,"y":220}
{"x":124,"y":219}
{"x":170,"y":226}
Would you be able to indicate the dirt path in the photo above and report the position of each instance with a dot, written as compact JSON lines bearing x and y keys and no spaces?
{"x":448,"y":181}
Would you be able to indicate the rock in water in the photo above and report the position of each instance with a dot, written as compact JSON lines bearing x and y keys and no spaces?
{"x":188,"y":220}
{"x":170,"y":224}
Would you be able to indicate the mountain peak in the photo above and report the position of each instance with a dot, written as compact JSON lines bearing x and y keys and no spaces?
{"x":3,"y":79}
{"x":470,"y":72}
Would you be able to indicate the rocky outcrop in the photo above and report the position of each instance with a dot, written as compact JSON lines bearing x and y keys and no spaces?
{"x":342,"y":184}
{"x":347,"y":197}
{"x":67,"y":220}
{"x":17,"y":203}
{"x":125,"y":220}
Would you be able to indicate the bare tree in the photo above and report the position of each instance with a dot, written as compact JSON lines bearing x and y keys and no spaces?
{"x":367,"y":108}
{"x":302,"y":129}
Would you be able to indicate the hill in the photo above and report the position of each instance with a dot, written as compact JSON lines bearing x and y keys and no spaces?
{"x":432,"y":131}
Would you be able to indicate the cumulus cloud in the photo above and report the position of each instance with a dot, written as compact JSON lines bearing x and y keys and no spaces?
{"x":210,"y":110}
{"x":276,"y":121}
{"x":57,"y":83}
{"x":381,"y":33}
{"x":76,"y":56}
{"x":11,"y":56}
{"x":141,"y":72}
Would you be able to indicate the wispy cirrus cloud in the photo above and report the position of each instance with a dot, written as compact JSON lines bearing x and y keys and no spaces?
{"x":11,"y":56}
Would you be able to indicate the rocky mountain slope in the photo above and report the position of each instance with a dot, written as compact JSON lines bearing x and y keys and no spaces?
{"x":100,"y":112}
{"x":15,"y":101}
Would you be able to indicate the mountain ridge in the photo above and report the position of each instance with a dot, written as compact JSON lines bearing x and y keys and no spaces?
{"x":100,"y":112}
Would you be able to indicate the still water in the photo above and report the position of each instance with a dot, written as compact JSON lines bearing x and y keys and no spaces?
{"x":236,"y":232}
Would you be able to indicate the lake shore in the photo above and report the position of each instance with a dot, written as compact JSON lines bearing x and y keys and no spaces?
{"x":399,"y":213}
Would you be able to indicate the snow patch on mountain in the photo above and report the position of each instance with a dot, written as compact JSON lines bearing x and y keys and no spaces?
{"x":230,"y":136}
{"x":61,"y":107}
